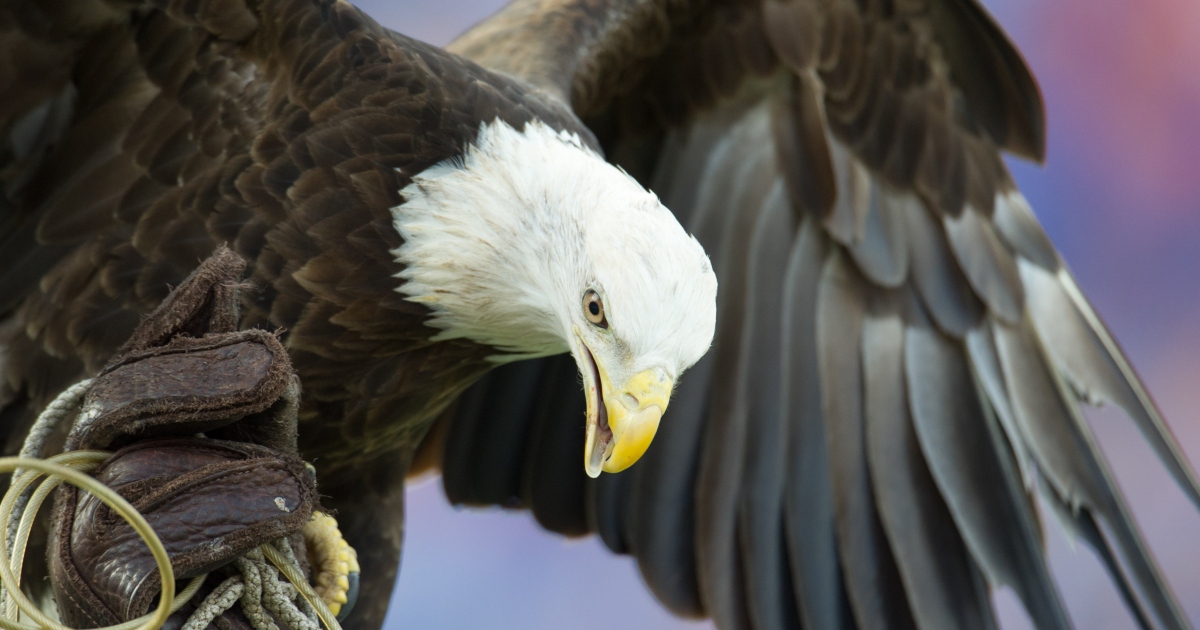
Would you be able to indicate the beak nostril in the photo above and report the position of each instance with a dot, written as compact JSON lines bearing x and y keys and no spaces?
{"x":631,"y":401}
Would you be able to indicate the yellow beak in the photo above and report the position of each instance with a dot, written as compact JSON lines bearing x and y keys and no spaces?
{"x":631,"y":415}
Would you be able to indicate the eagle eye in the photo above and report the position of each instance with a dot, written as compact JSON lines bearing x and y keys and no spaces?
{"x":593,"y":309}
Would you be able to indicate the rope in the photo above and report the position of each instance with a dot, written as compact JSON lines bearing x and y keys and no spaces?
{"x":52,"y":416}
{"x":258,"y":587}
{"x":75,"y":476}
{"x":34,"y":446}
{"x":85,"y":461}
{"x":35,"y":443}
{"x":221,"y":599}
{"x":288,"y":566}
{"x":260,"y":591}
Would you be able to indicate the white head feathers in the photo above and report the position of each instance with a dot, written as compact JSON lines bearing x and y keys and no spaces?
{"x":503,"y":243}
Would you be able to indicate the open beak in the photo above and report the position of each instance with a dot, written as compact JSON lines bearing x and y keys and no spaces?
{"x":621,"y":419}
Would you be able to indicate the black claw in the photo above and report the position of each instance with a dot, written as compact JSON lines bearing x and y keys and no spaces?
{"x":351,"y":596}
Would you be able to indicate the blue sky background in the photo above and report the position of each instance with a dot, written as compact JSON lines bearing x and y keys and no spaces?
{"x":1120,"y":197}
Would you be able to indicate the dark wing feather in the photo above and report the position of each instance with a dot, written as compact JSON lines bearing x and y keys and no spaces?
{"x":722,"y":454}
{"x":969,"y":460}
{"x":944,"y":585}
{"x":761,"y":388}
{"x":665,"y":479}
{"x":558,"y":499}
{"x":808,"y":503}
{"x":899,"y":366}
{"x":870,"y":573}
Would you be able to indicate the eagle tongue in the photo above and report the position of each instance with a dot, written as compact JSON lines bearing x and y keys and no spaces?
{"x":602,"y":444}
{"x":604,"y":434}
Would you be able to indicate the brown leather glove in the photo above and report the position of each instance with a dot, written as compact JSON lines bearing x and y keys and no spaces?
{"x":204,"y":418}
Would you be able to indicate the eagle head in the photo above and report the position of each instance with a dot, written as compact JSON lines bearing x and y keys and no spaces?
{"x":530,"y":243}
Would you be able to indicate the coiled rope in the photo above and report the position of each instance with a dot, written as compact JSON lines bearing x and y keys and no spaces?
{"x":258,"y":586}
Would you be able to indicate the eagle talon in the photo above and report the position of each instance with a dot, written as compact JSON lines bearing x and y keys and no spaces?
{"x":334,"y":564}
{"x":351,"y":596}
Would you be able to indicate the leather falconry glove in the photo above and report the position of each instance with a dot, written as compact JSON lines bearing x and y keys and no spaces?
{"x":202,"y":419}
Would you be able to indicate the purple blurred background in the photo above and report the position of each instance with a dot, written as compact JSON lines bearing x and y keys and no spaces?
{"x":1120,"y":197}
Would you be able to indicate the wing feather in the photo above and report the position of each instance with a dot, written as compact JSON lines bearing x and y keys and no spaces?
{"x":1069,"y":457}
{"x":760,"y":391}
{"x":872,"y":579}
{"x":988,"y":265}
{"x":496,"y":446}
{"x":852,"y":182}
{"x":723,"y":449}
{"x":1081,"y":348}
{"x":665,"y":478}
{"x":808,"y":500}
{"x":881,"y":251}
{"x":944,"y":586}
{"x":557,"y":499}
{"x":802,"y":146}
{"x":940,"y":282}
{"x":1015,"y":223}
{"x":666,"y":497}
{"x":970,"y":461}
{"x":608,"y":511}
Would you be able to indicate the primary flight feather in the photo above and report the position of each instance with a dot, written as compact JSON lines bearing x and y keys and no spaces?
{"x":874,"y":358}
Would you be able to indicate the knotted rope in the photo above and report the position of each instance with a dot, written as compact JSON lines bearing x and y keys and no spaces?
{"x":260,"y":591}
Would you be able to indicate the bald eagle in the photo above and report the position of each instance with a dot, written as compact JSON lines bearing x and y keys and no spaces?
{"x":861,"y":417}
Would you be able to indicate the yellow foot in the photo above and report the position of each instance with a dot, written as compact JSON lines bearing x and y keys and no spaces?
{"x":334,"y":564}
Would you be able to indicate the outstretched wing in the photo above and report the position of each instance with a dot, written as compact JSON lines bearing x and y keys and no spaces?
{"x":901,"y":354}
